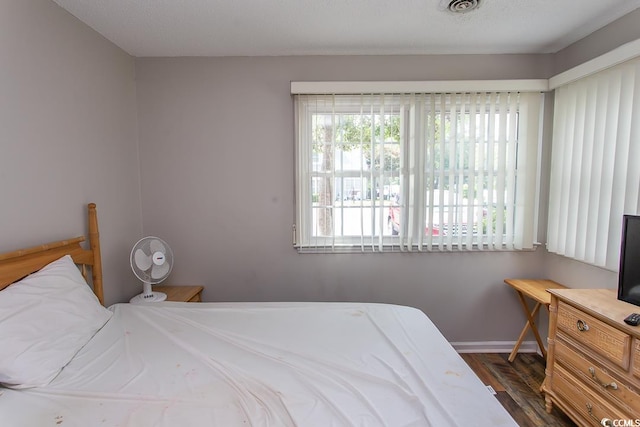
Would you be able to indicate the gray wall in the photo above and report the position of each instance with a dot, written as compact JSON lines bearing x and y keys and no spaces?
{"x":216,"y":150}
{"x":68,"y":136}
{"x":617,"y":33}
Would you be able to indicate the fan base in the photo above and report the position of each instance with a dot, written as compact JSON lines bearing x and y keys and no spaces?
{"x":153,"y":297}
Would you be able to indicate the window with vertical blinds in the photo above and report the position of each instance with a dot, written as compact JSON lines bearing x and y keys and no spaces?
{"x":595,"y":167}
{"x":416,"y":172}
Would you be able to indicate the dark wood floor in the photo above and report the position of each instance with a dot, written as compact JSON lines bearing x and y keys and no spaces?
{"x":517,"y":386}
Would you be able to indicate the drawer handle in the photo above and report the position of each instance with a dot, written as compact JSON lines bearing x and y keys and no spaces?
{"x":605,"y":421}
{"x":582,"y":326}
{"x":612,"y":384}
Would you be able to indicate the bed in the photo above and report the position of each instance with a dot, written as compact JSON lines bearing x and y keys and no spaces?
{"x":66,"y":360}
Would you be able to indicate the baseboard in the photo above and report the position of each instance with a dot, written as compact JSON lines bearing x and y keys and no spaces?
{"x":494,"y":347}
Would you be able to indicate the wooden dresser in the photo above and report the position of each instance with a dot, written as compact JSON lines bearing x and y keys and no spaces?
{"x":593,"y":364}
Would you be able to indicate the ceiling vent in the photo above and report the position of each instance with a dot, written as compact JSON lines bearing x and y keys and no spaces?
{"x":459,"y":6}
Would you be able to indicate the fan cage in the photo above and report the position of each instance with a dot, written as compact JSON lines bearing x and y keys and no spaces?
{"x":145,"y":245}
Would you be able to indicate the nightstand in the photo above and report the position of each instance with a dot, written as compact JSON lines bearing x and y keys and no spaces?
{"x":181,"y":293}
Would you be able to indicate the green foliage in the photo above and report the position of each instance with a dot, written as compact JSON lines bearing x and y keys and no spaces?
{"x":377,"y":136}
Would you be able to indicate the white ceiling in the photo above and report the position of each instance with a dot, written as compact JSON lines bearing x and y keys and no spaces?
{"x":359,"y":27}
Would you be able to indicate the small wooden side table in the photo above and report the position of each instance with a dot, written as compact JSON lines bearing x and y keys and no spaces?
{"x":181,"y":293}
{"x":537,"y":291}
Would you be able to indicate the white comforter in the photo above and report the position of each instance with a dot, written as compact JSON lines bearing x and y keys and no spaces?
{"x":263,"y":364}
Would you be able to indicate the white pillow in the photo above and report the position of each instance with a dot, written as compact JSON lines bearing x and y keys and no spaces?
{"x":45,"y":319}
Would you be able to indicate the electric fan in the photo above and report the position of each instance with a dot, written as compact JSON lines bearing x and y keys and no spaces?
{"x":151,"y":261}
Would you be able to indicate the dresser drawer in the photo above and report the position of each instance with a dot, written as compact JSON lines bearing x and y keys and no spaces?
{"x":611,"y":387}
{"x":606,"y":340}
{"x":590,"y":407}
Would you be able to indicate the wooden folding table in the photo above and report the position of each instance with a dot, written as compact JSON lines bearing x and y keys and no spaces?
{"x":537,"y":291}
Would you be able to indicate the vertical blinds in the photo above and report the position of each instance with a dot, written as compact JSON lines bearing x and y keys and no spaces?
{"x":595,"y":167}
{"x":416,"y":171}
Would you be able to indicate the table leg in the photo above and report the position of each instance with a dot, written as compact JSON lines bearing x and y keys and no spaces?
{"x":530,"y":323}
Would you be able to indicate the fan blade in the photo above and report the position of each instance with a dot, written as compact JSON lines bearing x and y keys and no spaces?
{"x":142,"y":260}
{"x":158,"y":271}
{"x":157,"y":246}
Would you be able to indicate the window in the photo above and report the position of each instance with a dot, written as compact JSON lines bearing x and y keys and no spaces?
{"x":595,"y":165}
{"x":422,"y":172}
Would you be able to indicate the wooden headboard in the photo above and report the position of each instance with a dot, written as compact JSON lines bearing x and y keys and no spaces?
{"x":17,"y":264}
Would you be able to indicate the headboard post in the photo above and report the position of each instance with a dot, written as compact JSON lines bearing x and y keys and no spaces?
{"x":94,"y":244}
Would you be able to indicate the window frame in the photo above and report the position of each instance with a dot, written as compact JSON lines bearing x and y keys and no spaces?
{"x":405,"y":240}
